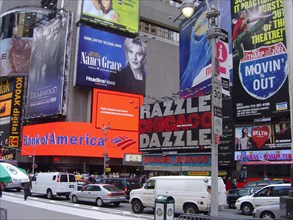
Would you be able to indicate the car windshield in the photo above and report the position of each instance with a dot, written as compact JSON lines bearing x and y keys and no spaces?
{"x":111,"y":188}
{"x":246,"y":191}
{"x":132,"y":184}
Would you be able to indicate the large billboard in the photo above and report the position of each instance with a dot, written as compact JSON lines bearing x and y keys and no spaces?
{"x":119,"y":110}
{"x":196,"y":53}
{"x":11,"y":108}
{"x":49,"y":68}
{"x":118,"y":14}
{"x":110,"y":61}
{"x":181,"y":125}
{"x":260,"y":60}
{"x":76,"y":139}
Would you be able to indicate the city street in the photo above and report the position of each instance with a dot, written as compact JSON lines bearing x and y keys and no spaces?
{"x":37,"y":207}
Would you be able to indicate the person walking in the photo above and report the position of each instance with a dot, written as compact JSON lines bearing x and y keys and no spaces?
{"x":209,"y":198}
{"x":26,"y":189}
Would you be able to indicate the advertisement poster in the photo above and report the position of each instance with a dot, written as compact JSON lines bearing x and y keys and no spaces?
{"x":266,"y":136}
{"x":11,"y":106}
{"x":118,"y":14}
{"x":48,"y":68}
{"x":259,"y":60}
{"x":109,"y":61}
{"x":15,"y":54}
{"x":183,"y":124}
{"x":196,"y":53}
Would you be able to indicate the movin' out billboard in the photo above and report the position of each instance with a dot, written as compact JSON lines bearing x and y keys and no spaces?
{"x":109,"y":61}
{"x":49,"y":66}
{"x":196,"y":52}
{"x":180,"y":125}
{"x":259,"y":60}
{"x":118,"y":14}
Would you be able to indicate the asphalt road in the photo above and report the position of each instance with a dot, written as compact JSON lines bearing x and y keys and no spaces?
{"x":123,"y":208}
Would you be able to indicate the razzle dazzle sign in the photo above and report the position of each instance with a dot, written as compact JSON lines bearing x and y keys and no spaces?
{"x":259,"y":59}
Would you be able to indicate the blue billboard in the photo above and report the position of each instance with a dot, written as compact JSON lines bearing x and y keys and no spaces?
{"x":109,"y":61}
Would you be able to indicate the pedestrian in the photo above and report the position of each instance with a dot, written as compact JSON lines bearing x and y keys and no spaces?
{"x":1,"y":185}
{"x":234,"y":184}
{"x":27,"y":189}
{"x":209,"y":197}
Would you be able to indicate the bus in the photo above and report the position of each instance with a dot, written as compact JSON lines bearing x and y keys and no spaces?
{"x":258,"y":170}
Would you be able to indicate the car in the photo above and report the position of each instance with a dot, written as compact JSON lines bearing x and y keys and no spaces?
{"x":125,"y":184}
{"x":234,"y":194}
{"x":81,"y":183}
{"x":10,"y":185}
{"x":100,"y":194}
{"x":267,"y":212}
{"x":261,"y":183}
{"x":268,"y":195}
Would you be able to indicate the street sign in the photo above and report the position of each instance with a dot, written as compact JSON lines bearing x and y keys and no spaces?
{"x":217,"y":93}
{"x":218,"y":125}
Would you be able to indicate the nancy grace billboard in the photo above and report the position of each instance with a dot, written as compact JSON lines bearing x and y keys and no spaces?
{"x":47,"y":93}
{"x":181,"y":125}
{"x":109,"y":61}
{"x":196,"y":53}
{"x":259,"y":60}
{"x":118,"y":14}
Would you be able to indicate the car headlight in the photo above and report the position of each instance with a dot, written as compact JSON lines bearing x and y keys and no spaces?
{"x":238,"y":200}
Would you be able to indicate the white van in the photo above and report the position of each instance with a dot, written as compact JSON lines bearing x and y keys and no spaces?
{"x":53,"y":184}
{"x":189,"y":193}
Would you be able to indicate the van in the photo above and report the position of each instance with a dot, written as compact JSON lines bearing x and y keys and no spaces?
{"x":53,"y":184}
{"x":189,"y":193}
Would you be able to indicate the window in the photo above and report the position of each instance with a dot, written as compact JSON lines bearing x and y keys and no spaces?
{"x":63,"y":178}
{"x":150,"y":184}
{"x":72,"y":178}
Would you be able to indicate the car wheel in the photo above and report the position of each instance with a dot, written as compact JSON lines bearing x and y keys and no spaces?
{"x":137,"y":207}
{"x":74,"y":199}
{"x":99,"y":202}
{"x":116,"y":204}
{"x":191,"y":209}
{"x":246,"y":208}
{"x":267,"y":215}
{"x":49,"y":194}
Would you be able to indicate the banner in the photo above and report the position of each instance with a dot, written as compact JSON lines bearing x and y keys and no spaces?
{"x":183,"y":124}
{"x":49,"y":68}
{"x":260,"y":60}
{"x":118,"y":14}
{"x":109,"y":61}
{"x":196,"y":52}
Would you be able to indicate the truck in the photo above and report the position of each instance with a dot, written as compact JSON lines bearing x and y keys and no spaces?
{"x":188,"y":192}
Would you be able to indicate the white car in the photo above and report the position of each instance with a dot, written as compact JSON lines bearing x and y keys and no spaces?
{"x":268,"y":195}
{"x":267,"y":212}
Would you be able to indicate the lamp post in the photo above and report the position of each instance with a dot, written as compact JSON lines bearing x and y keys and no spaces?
{"x":213,"y":33}
{"x":105,"y":129}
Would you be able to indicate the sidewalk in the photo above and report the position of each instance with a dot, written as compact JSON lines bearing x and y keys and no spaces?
{"x":18,"y":209}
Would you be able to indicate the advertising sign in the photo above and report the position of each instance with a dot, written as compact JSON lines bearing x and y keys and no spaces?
{"x":183,"y":124}
{"x":263,"y":137}
{"x":260,"y":60}
{"x":108,"y":61}
{"x":119,"y":110}
{"x":264,"y":155}
{"x":76,"y":139}
{"x":11,"y":104}
{"x":118,"y":14}
{"x":196,"y":53}
{"x":15,"y":54}
{"x":48,"y":68}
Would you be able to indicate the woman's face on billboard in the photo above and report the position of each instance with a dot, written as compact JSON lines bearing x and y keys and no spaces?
{"x":135,"y":56}
{"x":106,"y":4}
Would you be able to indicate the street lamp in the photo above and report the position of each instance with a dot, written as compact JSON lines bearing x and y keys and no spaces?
{"x":105,"y":129}
{"x":212,"y":33}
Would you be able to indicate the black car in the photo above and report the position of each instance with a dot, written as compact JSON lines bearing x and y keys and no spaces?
{"x":126,"y":184}
{"x":234,"y":194}
{"x":261,"y":183}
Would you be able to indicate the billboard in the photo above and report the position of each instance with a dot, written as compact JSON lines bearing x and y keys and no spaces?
{"x":196,"y":53}
{"x":49,"y":68}
{"x":260,"y":60}
{"x":120,"y":110}
{"x":75,"y":139}
{"x":266,"y":136}
{"x":182,"y":125}
{"x":109,"y":61}
{"x":15,"y":54}
{"x":11,"y":107}
{"x":118,"y":14}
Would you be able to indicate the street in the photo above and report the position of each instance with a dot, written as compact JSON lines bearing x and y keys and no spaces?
{"x":61,"y":208}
